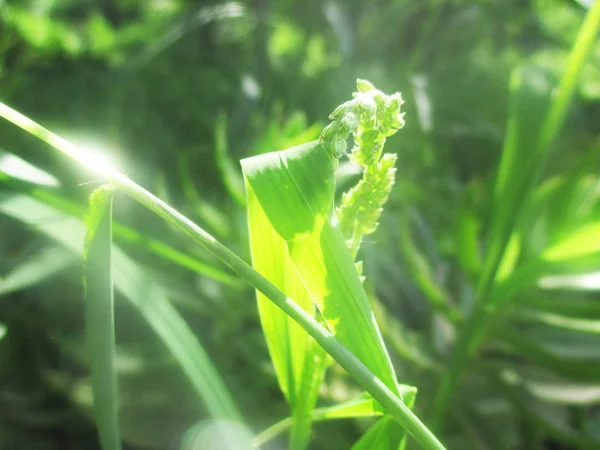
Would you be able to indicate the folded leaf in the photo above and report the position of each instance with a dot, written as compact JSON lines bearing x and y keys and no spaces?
{"x":295,"y":188}
{"x":299,"y":362}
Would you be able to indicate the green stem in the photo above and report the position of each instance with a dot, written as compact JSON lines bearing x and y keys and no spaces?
{"x":324,"y":338}
{"x":552,"y":124}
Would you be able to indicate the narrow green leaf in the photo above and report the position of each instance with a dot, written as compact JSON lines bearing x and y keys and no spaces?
{"x":100,"y":320}
{"x":580,"y":242}
{"x":363,"y":406}
{"x":378,"y":437}
{"x":385,"y":434}
{"x":15,"y":167}
{"x":538,"y":415}
{"x":124,"y":233}
{"x":568,"y":323}
{"x":143,"y":293}
{"x":299,"y":362}
{"x":530,"y":98}
{"x":37,"y":268}
{"x":422,"y":272}
{"x":233,"y":181}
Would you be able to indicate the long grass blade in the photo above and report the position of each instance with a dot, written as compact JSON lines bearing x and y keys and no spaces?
{"x":299,"y":363}
{"x":37,"y":268}
{"x":363,"y":406}
{"x":125,"y":234}
{"x":100,"y":321}
{"x":143,"y":293}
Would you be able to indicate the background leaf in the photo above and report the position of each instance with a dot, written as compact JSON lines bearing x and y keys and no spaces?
{"x":100,"y":320}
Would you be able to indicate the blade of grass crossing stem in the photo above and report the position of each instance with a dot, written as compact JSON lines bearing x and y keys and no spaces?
{"x":39,"y":267}
{"x":363,"y":406}
{"x":385,"y":434}
{"x":100,"y":321}
{"x":124,"y":233}
{"x":295,"y":188}
{"x":143,"y":293}
{"x":347,"y":360}
{"x":299,"y":363}
{"x":549,"y":130}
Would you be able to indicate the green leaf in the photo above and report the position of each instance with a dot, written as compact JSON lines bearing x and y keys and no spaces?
{"x":363,"y":406}
{"x":295,"y":188}
{"x":230,"y":175}
{"x":15,"y":167}
{"x":100,"y":320}
{"x":143,"y":293}
{"x":299,"y":363}
{"x":559,"y":321}
{"x":580,"y":242}
{"x":124,"y":233}
{"x":385,"y":434}
{"x":530,"y":98}
{"x":37,"y":268}
{"x":378,"y":437}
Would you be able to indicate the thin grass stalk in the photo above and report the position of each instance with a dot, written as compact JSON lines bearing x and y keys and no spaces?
{"x":324,"y":338}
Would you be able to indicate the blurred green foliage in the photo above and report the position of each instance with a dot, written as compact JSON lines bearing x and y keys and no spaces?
{"x":176,"y":92}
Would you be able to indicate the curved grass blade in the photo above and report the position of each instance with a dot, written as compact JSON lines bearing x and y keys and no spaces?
{"x":37,"y":268}
{"x":100,"y":321}
{"x":143,"y":293}
{"x":385,"y":434}
{"x":363,"y":406}
{"x":15,"y":167}
{"x":123,"y":233}
{"x":233,"y":181}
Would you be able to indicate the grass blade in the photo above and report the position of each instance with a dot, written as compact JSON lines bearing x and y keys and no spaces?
{"x":363,"y":406}
{"x":144,"y":294}
{"x":45,"y":264}
{"x":100,"y":321}
{"x":123,"y":233}
{"x":299,"y":363}
{"x":233,"y":181}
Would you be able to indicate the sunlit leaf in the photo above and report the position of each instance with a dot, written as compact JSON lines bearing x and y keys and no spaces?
{"x":16,"y":167}
{"x":295,"y":188}
{"x":299,"y":362}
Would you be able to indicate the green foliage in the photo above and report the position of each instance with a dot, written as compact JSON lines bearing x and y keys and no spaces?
{"x":481,"y":272}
